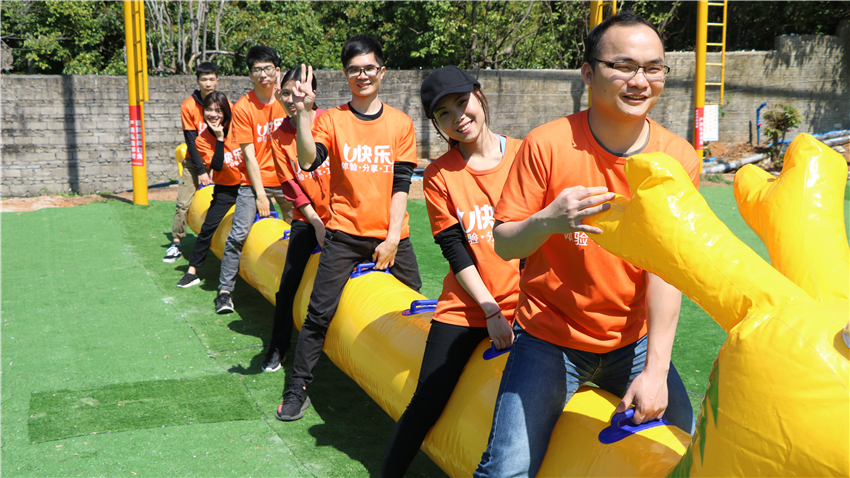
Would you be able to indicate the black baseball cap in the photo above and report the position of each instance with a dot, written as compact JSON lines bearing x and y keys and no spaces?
{"x":445,"y":81}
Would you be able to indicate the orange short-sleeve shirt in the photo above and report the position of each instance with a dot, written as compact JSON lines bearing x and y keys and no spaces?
{"x":192,"y":115}
{"x":362,"y":158}
{"x":254,"y":122}
{"x":457,"y":194}
{"x":314,"y":184}
{"x":229,"y":174}
{"x":574,"y":293}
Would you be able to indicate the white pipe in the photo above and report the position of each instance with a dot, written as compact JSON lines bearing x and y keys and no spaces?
{"x":722,"y":168}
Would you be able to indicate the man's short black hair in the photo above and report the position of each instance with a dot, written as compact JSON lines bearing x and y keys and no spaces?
{"x":361,"y":45}
{"x":262,"y":54}
{"x":625,"y":18}
{"x":206,"y":68}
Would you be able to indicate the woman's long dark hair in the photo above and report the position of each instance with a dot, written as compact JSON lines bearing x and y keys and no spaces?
{"x":220,"y":99}
{"x":295,"y":75}
{"x":481,"y":99}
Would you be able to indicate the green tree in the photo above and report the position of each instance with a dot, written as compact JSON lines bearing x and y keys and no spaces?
{"x":58,"y":37}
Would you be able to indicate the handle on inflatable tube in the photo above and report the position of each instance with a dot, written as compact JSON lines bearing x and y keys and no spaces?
{"x":205,"y":185}
{"x":421,"y":306}
{"x":286,"y":235}
{"x":365,"y":268}
{"x":493,"y":352}
{"x":271,"y":214}
{"x":622,"y":426}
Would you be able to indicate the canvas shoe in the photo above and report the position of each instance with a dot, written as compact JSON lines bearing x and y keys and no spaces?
{"x":173,"y":253}
{"x":223,"y":303}
{"x":295,"y":401}
{"x":188,"y":280}
{"x":273,"y":360}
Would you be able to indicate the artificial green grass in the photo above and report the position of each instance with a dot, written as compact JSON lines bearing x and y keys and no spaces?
{"x":58,"y":414}
{"x":88,"y":305}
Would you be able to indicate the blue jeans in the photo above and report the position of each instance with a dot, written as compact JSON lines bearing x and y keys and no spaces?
{"x":538,"y":381}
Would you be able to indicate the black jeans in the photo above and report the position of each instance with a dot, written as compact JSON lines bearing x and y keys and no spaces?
{"x":302,"y":243}
{"x":223,"y":198}
{"x":341,"y":253}
{"x":446,"y":353}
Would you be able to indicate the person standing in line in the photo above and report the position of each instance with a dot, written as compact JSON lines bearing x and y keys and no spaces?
{"x":255,"y":116}
{"x":308,"y":193}
{"x":222,"y":154}
{"x":372,"y":152}
{"x":194,"y":171}
{"x":585,"y":315}
{"x":480,"y":292}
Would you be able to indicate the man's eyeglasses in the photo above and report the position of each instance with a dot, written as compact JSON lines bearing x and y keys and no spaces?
{"x":269,"y":70}
{"x":353,"y":71}
{"x":629,"y":70}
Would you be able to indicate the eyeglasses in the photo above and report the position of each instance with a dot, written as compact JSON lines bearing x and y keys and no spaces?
{"x":267,"y":70}
{"x":353,"y":72}
{"x":652,"y":72}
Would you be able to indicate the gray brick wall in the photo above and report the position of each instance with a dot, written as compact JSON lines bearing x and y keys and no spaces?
{"x":70,"y":133}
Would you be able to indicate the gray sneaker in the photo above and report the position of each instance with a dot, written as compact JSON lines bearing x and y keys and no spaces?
{"x":223,"y":303}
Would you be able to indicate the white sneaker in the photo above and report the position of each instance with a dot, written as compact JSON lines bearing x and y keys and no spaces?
{"x":173,"y":253}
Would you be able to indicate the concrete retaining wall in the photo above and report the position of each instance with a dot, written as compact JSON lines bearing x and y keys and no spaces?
{"x":70,"y":133}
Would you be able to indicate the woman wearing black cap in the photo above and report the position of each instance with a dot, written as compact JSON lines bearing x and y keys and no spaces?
{"x":481,"y":290}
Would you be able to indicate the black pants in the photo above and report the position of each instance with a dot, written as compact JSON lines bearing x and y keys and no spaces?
{"x":341,"y":253}
{"x":302,"y":243}
{"x":446,"y":353}
{"x":223,"y":198}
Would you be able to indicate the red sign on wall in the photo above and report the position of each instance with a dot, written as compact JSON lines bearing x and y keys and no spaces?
{"x":137,"y":136}
{"x":699,"y":129}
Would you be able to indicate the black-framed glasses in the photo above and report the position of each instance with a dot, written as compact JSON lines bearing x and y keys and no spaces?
{"x":652,"y":72}
{"x":354,"y":71}
{"x":269,"y":70}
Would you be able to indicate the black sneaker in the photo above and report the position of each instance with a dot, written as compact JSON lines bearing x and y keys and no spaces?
{"x":188,"y":280}
{"x":173,"y":253}
{"x":295,"y":401}
{"x":273,"y":360}
{"x":223,"y":303}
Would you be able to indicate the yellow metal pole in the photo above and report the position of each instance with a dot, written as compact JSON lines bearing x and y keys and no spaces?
{"x":597,"y":14}
{"x":134,"y":36}
{"x":699,"y":76}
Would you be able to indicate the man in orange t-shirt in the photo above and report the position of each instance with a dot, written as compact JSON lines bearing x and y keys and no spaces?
{"x":255,"y":116}
{"x":584,"y":315}
{"x":194,"y":171}
{"x":372,"y":152}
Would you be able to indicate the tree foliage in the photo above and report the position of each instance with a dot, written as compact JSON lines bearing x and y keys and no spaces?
{"x":85,"y":37}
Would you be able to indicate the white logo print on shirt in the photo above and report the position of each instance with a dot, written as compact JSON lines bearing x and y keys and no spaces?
{"x":482,"y":217}
{"x":233,"y":160}
{"x":578,"y":238}
{"x":264,"y":129}
{"x":365,"y":159}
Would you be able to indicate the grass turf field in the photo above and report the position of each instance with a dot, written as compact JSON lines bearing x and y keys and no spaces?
{"x":108,"y":369}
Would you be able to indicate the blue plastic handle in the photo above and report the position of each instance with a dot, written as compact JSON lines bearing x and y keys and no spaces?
{"x":271,"y":214}
{"x":493,"y":352}
{"x":205,"y":185}
{"x":285,"y":235}
{"x":622,"y":426}
{"x":421,"y":306}
{"x":366,"y":268}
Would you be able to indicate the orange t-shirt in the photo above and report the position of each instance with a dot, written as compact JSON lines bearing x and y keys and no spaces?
{"x":457,"y":194}
{"x":574,"y":293}
{"x":229,"y":174}
{"x":314,"y":184}
{"x":192,"y":115}
{"x":254,"y":122}
{"x":362,"y":158}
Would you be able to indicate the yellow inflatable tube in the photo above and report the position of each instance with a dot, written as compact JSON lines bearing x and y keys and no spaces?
{"x":777,"y":402}
{"x":381,"y":349}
